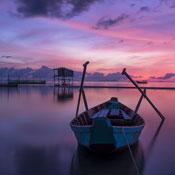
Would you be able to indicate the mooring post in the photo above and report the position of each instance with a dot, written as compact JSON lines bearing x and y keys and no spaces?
{"x":81,"y":88}
{"x":144,"y":95}
{"x":54,"y":77}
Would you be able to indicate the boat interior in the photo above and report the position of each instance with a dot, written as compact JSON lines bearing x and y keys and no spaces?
{"x":116,"y":112}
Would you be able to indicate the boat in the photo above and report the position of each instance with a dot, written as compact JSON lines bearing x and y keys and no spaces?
{"x":107,"y":127}
{"x":142,"y":81}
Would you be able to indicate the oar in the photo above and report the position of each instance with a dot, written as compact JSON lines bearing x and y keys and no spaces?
{"x":81,"y":88}
{"x":144,"y":95}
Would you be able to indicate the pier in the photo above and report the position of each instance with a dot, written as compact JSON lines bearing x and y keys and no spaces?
{"x":15,"y":83}
{"x":8,"y":85}
{"x":27,"y":81}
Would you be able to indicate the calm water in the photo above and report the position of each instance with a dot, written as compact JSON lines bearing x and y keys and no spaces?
{"x":35,"y":137}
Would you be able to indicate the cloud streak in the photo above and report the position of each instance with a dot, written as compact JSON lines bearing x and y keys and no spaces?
{"x":169,"y":3}
{"x":105,"y":23}
{"x":144,"y":9}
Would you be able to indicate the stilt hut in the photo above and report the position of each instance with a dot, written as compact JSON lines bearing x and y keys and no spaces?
{"x":63,"y":77}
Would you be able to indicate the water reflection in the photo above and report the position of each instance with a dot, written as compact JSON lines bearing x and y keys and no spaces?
{"x":154,"y":138}
{"x":63,"y":93}
{"x":86,"y":163}
{"x":8,"y":92}
{"x":35,"y":136}
{"x":41,"y":160}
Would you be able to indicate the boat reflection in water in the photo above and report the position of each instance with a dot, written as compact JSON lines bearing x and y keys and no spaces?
{"x":86,"y":163}
{"x":63,"y":93}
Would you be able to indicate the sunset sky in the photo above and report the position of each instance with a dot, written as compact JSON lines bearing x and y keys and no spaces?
{"x":111,"y":34}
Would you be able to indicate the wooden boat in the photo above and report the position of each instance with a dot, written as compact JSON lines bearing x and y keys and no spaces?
{"x":111,"y":125}
{"x":107,"y":127}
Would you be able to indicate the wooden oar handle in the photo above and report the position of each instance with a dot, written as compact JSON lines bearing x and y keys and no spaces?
{"x":86,"y":63}
{"x":124,"y":71}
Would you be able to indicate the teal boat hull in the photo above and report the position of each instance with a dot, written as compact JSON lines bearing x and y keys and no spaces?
{"x":85,"y":135}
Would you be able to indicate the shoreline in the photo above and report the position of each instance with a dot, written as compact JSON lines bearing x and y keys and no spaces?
{"x":87,"y":86}
{"x":127,"y":87}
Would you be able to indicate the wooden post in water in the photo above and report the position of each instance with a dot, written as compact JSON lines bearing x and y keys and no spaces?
{"x":144,"y":95}
{"x":81,"y":89}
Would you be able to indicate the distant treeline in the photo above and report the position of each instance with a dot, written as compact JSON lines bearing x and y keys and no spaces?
{"x":46,"y":73}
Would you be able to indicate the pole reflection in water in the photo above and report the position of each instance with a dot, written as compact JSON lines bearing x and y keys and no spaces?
{"x":154,"y":138}
{"x":63,"y":94}
{"x":86,"y":163}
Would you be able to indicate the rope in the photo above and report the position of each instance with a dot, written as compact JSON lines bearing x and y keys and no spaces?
{"x":130,"y":151}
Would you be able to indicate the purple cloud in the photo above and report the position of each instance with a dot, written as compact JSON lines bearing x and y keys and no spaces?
{"x":169,"y":3}
{"x":53,"y":8}
{"x":105,"y":23}
{"x":144,"y":9}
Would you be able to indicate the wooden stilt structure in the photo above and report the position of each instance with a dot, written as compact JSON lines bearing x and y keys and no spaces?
{"x":63,"y":77}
